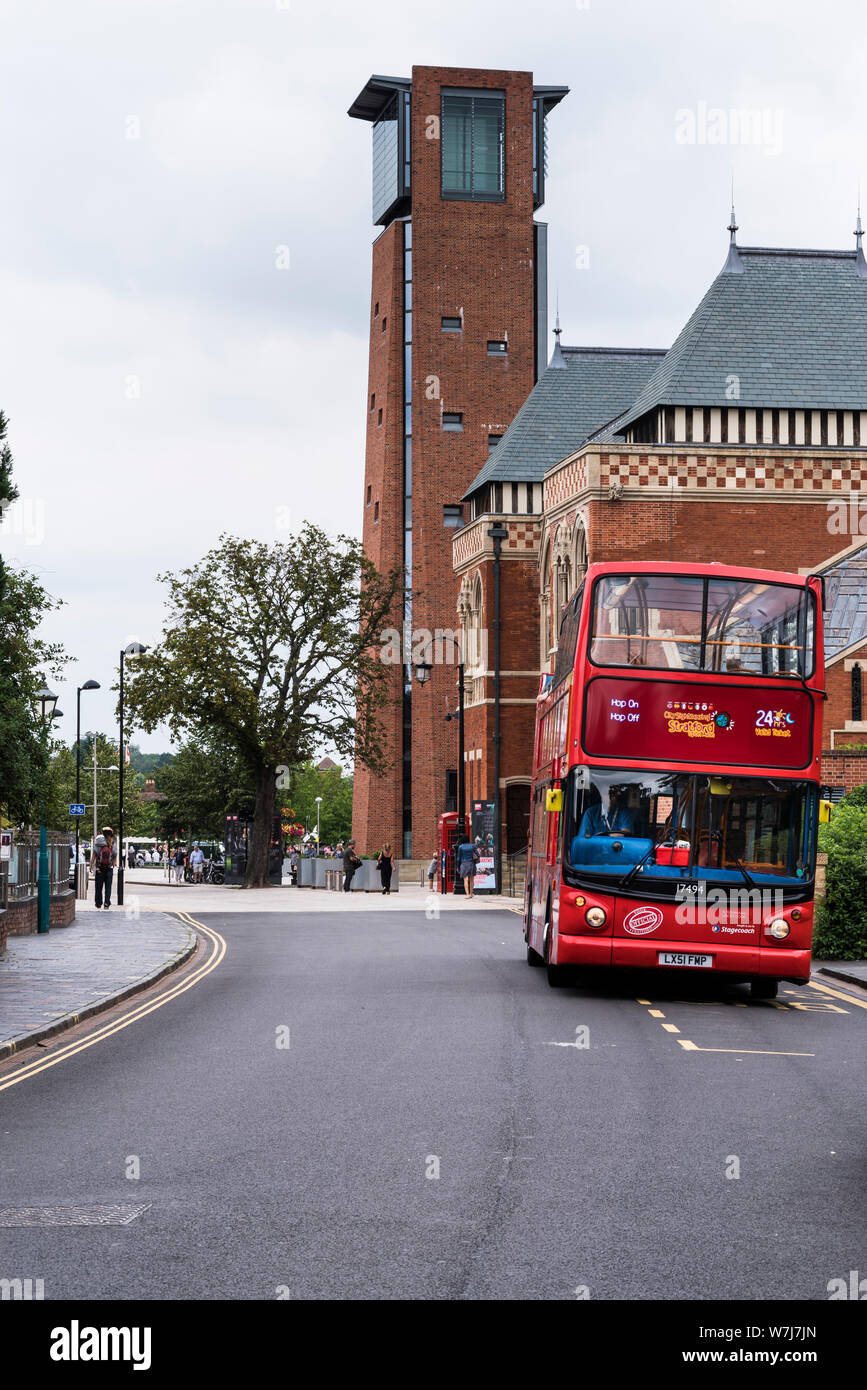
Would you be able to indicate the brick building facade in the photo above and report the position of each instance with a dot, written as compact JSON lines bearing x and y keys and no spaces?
{"x":739,"y":445}
{"x":457,"y":338}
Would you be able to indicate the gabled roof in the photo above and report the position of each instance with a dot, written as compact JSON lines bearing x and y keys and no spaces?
{"x":846,"y":596}
{"x":564,"y":407}
{"x":790,"y":325}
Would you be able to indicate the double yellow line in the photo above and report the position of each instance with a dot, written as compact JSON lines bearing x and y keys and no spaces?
{"x":218,"y":950}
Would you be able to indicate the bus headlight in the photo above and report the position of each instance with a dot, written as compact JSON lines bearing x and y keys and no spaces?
{"x":595,"y":916}
{"x":778,"y":928}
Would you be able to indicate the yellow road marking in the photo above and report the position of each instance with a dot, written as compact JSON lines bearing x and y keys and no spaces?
{"x":670,"y":1028}
{"x":140,"y":1011}
{"x":642,"y":1001}
{"x":656,"y":1013}
{"x":837,"y":994}
{"x":742,"y":1051}
{"x":820,"y":1007}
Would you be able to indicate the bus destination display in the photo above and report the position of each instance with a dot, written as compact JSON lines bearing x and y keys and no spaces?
{"x":740,"y":725}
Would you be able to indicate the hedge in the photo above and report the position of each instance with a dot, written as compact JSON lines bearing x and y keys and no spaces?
{"x":841,"y":920}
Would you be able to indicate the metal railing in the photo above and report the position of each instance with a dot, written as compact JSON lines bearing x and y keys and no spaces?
{"x":22,"y":870}
{"x":514,"y":873}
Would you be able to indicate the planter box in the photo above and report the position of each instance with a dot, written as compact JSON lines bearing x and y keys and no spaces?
{"x":367,"y":879}
{"x":311,"y":874}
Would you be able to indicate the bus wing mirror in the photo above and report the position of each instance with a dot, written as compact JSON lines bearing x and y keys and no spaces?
{"x":826,"y":809}
{"x":554,"y":799}
{"x":581,"y":777}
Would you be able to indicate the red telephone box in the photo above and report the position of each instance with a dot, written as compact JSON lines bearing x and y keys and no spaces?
{"x":450,"y":832}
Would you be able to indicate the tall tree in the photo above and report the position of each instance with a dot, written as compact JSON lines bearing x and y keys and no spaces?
{"x":25,"y":660}
{"x":274,"y":651}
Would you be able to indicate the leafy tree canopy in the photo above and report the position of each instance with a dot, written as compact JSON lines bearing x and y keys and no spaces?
{"x":25,"y":661}
{"x":272,"y":651}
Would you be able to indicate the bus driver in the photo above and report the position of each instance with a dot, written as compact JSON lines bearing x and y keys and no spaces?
{"x":619,"y":819}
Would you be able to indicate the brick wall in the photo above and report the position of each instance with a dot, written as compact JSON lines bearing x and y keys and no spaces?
{"x":473,"y":259}
{"x":22,"y":915}
{"x":376,"y":813}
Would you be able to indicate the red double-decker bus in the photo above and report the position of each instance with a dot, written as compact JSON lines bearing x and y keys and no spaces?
{"x":676,"y":775}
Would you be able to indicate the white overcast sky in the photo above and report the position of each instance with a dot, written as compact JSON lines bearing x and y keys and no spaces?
{"x":165,"y":381}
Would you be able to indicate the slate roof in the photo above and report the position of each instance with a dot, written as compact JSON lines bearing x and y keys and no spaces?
{"x":565,"y":407}
{"x":846,"y":596}
{"x":790,"y":324}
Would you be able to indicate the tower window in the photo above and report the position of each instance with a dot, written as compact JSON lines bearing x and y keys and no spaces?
{"x":497,"y":347}
{"x":453,"y":515}
{"x":367,"y":500}
{"x":473,"y":131}
{"x":452,"y":325}
{"x":384,"y":322}
{"x":376,"y":511}
{"x":379,"y":416}
{"x":453,"y":420}
{"x":376,"y":310}
{"x":372,"y":401}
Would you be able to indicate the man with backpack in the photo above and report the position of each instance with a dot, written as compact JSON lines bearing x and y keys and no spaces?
{"x":102,"y":861}
{"x":351,"y":862}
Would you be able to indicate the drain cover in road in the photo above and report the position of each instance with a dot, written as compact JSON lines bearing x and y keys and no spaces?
{"x":106,"y":1214}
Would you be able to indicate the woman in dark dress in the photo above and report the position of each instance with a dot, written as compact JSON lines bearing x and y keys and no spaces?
{"x":385,"y":864}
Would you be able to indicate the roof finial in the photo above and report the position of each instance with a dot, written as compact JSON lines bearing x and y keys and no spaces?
{"x":734,"y":265}
{"x":860,"y":262}
{"x":557,"y":358}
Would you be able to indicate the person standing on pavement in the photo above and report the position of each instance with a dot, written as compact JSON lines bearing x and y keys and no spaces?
{"x":466,"y":859}
{"x":385,"y":864}
{"x":178,"y":861}
{"x":197,"y":863}
{"x":350,"y":865}
{"x":102,"y":861}
{"x":431,"y":873}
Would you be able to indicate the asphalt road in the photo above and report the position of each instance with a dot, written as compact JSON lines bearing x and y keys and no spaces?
{"x":419,"y":1048}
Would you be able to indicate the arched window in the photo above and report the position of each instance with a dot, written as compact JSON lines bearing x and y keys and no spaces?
{"x":579,"y":552}
{"x":545,"y":607}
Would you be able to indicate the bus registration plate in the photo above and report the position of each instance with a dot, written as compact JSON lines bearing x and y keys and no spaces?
{"x":684,"y":958}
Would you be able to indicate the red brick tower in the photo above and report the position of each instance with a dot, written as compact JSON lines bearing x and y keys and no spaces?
{"x":457,"y":340}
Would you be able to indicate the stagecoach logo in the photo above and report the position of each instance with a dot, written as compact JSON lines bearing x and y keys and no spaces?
{"x":642,"y":920}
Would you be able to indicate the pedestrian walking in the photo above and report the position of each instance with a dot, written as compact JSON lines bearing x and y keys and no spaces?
{"x":385,"y":864}
{"x":431,"y":873}
{"x":130,"y":856}
{"x":102,"y":861}
{"x":351,"y":862}
{"x":178,"y":861}
{"x":293,"y":865}
{"x":466,"y":859}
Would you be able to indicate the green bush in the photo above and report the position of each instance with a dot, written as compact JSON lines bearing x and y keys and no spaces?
{"x":841,"y":921}
{"x":856,"y":797}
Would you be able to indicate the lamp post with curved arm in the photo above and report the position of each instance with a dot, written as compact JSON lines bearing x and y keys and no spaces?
{"x":423,"y":671}
{"x":133,"y":649}
{"x":48,"y":712}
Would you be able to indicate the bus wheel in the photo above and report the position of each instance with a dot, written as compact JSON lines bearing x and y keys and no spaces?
{"x":556,"y":974}
{"x":764,"y":989}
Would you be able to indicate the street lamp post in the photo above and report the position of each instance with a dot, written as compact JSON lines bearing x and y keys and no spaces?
{"x":88,"y":685}
{"x":497,"y":533}
{"x":318,"y":808}
{"x":423,"y":671}
{"x":133,"y":649}
{"x":48,"y":712}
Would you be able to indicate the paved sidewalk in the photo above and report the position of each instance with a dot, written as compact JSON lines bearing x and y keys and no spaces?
{"x":144,"y":890}
{"x":854,"y":972}
{"x":51,"y":982}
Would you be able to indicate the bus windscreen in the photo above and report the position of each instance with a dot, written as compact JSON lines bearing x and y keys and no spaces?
{"x":688,"y":623}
